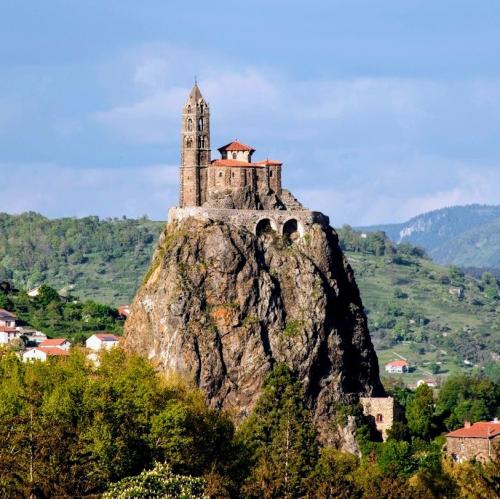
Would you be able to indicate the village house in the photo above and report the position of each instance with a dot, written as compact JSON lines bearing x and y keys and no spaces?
{"x":60,"y":343}
{"x":397,"y":367}
{"x":9,"y":334}
{"x":7,"y":319}
{"x":33,"y":336}
{"x":102,"y":341}
{"x":124,"y":311}
{"x":42,"y":354}
{"x":431,"y":383}
{"x":477,"y":441}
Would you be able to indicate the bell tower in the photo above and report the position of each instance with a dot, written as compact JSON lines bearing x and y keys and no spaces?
{"x":195,"y":150}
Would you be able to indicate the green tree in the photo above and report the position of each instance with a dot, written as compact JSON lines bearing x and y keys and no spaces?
{"x":281,"y":439}
{"x":420,"y":413}
{"x":157,"y":482}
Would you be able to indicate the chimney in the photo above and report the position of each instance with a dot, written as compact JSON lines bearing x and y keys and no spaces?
{"x":466,"y":424}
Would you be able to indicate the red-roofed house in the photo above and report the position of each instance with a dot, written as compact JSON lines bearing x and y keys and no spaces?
{"x":61,"y":343}
{"x":42,"y":354}
{"x":7,"y":334}
{"x":475,"y":441}
{"x":397,"y":366}
{"x":124,"y":310}
{"x":101,"y":341}
{"x":7,"y":319}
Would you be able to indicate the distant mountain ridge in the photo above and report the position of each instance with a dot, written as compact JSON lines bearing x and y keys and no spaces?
{"x":466,"y":236}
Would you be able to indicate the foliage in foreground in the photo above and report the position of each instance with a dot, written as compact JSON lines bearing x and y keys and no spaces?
{"x":69,"y":428}
{"x":159,"y":482}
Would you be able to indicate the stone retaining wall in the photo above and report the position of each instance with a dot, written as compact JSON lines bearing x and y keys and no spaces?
{"x":250,"y":218}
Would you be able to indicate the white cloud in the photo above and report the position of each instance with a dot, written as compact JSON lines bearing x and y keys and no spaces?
{"x":55,"y":190}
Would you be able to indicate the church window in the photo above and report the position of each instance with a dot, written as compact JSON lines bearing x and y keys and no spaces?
{"x":271,"y":173}
{"x":202,"y":107}
{"x":234,"y":155}
{"x":189,"y":109}
{"x":189,"y":143}
{"x":200,"y":124}
{"x":220,"y":174}
{"x":379,"y":418}
{"x":190,"y":125}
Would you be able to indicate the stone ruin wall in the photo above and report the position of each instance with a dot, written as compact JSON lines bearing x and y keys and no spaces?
{"x":249,"y":219}
{"x":382,"y":409}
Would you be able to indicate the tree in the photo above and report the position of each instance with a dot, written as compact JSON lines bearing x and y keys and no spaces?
{"x":466,"y":397}
{"x":281,"y":439}
{"x":157,"y":482}
{"x":420,"y":412}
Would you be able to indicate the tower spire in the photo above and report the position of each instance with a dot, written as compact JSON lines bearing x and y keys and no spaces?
{"x":195,"y":148}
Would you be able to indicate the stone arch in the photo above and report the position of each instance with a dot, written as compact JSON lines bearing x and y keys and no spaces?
{"x":200,"y":124}
{"x":265,"y":225}
{"x":190,"y":125}
{"x":292,"y":229}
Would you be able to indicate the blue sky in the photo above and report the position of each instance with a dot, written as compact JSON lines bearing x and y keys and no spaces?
{"x":379,"y":110}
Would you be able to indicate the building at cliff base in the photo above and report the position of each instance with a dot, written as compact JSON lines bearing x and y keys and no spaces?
{"x":479,"y":441}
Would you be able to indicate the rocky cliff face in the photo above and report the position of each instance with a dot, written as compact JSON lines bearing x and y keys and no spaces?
{"x":223,"y":306}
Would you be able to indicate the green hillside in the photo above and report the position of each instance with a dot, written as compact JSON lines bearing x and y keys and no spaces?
{"x":103,"y":260}
{"x":413,"y":304}
{"x":436,"y":317}
{"x":467,"y":236}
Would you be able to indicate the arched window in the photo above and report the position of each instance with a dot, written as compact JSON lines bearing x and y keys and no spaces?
{"x":379,"y":418}
{"x":202,"y":108}
{"x":271,"y":173}
{"x":234,"y":155}
{"x":190,"y":125}
{"x":189,"y":142}
{"x":220,"y":174}
{"x":201,"y":142}
{"x":200,"y":125}
{"x":189,"y":109}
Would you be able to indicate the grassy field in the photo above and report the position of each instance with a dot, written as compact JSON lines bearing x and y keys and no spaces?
{"x":434,"y":317}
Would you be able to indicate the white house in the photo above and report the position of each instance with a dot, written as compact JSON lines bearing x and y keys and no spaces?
{"x":7,"y":319}
{"x":42,"y":354}
{"x":431,"y":383}
{"x":33,"y":336}
{"x":8,"y":334}
{"x":102,"y":341}
{"x":397,"y":366}
{"x":60,"y":343}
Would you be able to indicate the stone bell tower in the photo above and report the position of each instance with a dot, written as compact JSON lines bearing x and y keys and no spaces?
{"x":195,"y":150}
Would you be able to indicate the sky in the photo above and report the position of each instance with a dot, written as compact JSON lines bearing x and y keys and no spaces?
{"x":380,"y":110}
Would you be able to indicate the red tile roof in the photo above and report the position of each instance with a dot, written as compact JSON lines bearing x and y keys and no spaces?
{"x":52,"y":342}
{"x":7,"y":314}
{"x":483,"y":429}
{"x":124,"y":310}
{"x":107,"y":337}
{"x":236,"y":145}
{"x":269,"y":162}
{"x":53,"y":351}
{"x":234,"y":163}
{"x":397,"y":363}
{"x":6,"y":329}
